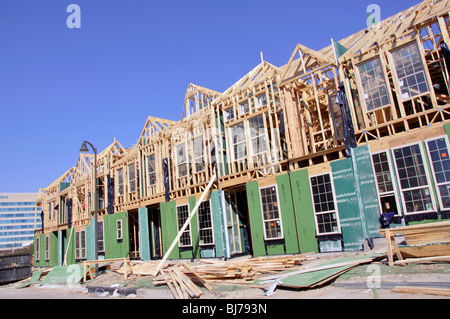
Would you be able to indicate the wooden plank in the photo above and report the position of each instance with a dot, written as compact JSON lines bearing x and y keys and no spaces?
{"x":415,"y":260}
{"x":197,"y":277}
{"x":170,"y":284}
{"x":422,"y":290}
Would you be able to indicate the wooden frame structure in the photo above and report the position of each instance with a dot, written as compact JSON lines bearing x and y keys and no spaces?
{"x":275,"y":120}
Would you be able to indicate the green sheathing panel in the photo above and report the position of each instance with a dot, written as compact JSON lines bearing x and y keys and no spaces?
{"x":348,"y":204}
{"x":256,"y":223}
{"x":367,"y":190}
{"x":90,"y":240}
{"x":218,"y":225}
{"x":144,"y":233}
{"x":287,"y":214}
{"x":169,"y":229}
{"x":116,"y":248}
{"x":304,"y":211}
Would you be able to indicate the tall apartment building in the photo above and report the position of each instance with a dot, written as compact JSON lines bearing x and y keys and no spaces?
{"x":19,"y":217}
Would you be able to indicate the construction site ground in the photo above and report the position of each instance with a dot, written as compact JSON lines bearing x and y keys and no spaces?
{"x":357,"y":283}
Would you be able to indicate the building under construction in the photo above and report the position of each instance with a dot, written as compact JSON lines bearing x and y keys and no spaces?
{"x":305,"y":157}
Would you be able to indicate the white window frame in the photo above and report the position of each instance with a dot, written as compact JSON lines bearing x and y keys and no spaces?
{"x":38,"y":248}
{"x":400,"y":81}
{"x":198,"y":159}
{"x":229,"y":114}
{"x":261,"y":100}
{"x":132,"y":185}
{"x":335,"y":211}
{"x":243,"y":141}
{"x":435,"y":182}
{"x":101,"y":236}
{"x":80,"y":249}
{"x":244,"y":107}
{"x":119,"y":229}
{"x":120,"y":184}
{"x":188,"y":228}
{"x":207,"y":228}
{"x":186,"y":161}
{"x":259,"y":136}
{"x":47,"y":248}
{"x":395,"y":190}
{"x":381,"y":82}
{"x":151,"y":173}
{"x":429,"y":186}
{"x":279,"y":219}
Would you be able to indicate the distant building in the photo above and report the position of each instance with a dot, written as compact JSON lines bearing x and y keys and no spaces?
{"x":19,"y":217}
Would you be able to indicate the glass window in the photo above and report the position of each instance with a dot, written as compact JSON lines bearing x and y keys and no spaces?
{"x":382,"y":173}
{"x":119,"y":233}
{"x":439,"y":157}
{"x":181,"y":158}
{"x":132,"y":177}
{"x":244,"y":107}
{"x":47,"y":247}
{"x":205,"y":227}
{"x":229,"y":114}
{"x":238,"y":142}
{"x":373,"y":83}
{"x":261,"y":100}
{"x":413,"y":179}
{"x":271,"y":213}
{"x":182,"y":216}
{"x":324,"y":205}
{"x":199,"y":159}
{"x":101,"y":241}
{"x":257,"y":134}
{"x":120,"y":181}
{"x":410,"y":71}
{"x":151,"y":169}
{"x":80,"y":244}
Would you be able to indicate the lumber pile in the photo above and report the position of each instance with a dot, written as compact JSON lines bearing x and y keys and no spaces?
{"x":184,"y":279}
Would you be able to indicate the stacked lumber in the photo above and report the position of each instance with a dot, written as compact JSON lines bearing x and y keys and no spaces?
{"x":182,"y":278}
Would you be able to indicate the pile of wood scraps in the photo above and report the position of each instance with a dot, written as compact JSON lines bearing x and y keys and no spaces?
{"x":185,"y":279}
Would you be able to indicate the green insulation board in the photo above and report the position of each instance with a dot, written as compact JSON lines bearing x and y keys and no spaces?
{"x":348,"y":204}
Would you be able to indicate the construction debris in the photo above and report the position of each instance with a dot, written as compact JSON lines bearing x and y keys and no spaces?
{"x":322,"y":274}
{"x":184,"y":279}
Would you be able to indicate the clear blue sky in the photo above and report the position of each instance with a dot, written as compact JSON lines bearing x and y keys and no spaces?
{"x":132,"y":59}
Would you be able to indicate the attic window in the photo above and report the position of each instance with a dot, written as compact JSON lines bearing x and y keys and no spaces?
{"x":132,"y":177}
{"x":261,"y":100}
{"x":151,"y":169}
{"x":244,"y":107}
{"x":120,"y":181}
{"x":238,"y":141}
{"x":410,"y":71}
{"x":181,"y":160}
{"x":373,"y":83}
{"x":199,"y":159}
{"x":229,"y":114}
